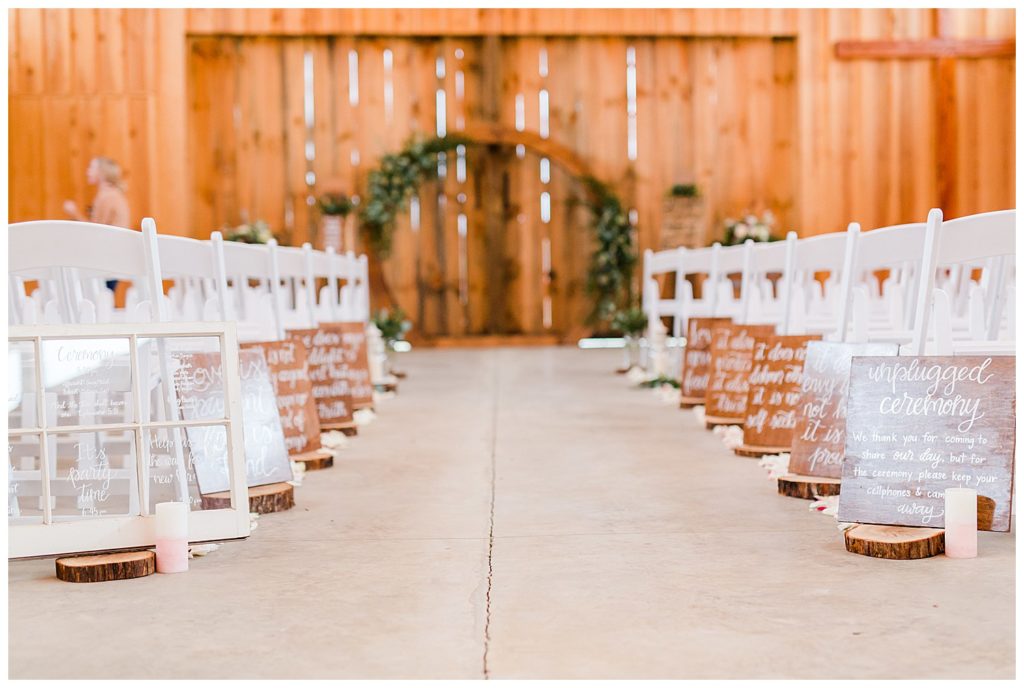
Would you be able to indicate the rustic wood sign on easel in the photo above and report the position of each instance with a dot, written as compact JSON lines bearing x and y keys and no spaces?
{"x":328,"y":373}
{"x":693,"y":384}
{"x":772,"y":394}
{"x":198,"y":381}
{"x":289,"y":373}
{"x":732,"y":356}
{"x":819,"y":438}
{"x":918,"y":425}
{"x":357,"y":362}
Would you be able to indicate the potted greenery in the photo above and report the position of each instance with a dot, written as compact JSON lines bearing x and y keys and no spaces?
{"x":334,"y":208}
{"x":631,"y":322}
{"x":682,"y":215}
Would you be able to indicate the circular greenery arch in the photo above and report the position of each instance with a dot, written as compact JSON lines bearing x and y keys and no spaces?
{"x":398,"y":175}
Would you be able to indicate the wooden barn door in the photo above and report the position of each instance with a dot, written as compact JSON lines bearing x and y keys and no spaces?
{"x":500,"y":243}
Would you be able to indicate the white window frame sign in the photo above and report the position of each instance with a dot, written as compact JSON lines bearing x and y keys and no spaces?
{"x":60,"y":535}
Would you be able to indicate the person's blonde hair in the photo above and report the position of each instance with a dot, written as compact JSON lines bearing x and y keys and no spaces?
{"x":109,"y":170}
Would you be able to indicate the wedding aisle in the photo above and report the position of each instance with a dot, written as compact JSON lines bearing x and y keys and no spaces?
{"x":520,"y":513}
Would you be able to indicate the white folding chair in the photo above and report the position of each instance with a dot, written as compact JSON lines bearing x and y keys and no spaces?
{"x":769,"y":302}
{"x":988,"y":237}
{"x":71,"y":260}
{"x":256,"y":309}
{"x":816,"y":305}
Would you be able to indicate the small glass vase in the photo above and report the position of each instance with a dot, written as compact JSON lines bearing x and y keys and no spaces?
{"x":631,"y":351}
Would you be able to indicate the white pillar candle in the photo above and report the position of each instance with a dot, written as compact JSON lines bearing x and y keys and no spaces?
{"x":171,"y":537}
{"x":961,"y":519}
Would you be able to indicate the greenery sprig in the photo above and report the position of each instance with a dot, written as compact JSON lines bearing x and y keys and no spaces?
{"x":610,"y":280}
{"x":396,"y":178}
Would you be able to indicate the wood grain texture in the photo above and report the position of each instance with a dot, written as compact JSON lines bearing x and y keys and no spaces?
{"x":99,"y":568}
{"x":774,"y":390}
{"x":697,"y":358}
{"x":808,"y":487}
{"x":204,"y":109}
{"x":732,"y":357}
{"x":289,"y":372}
{"x":918,"y":425}
{"x":895,"y":542}
{"x":264,"y":499}
{"x":819,"y":436}
{"x":328,"y":374}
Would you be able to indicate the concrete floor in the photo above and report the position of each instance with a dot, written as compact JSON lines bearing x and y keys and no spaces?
{"x":523,"y":513}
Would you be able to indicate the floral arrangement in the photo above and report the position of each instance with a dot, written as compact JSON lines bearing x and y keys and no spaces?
{"x":684,"y":191}
{"x":250,"y":233}
{"x":630,"y":321}
{"x":335,"y":204}
{"x":750,"y":227}
{"x":392,"y":325}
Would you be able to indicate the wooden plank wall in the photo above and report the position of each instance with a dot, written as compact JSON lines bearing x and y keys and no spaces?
{"x":205,"y":110}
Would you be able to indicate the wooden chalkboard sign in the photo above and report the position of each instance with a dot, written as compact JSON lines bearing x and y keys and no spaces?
{"x":732,"y":356}
{"x":328,"y":373}
{"x":772,"y":393}
{"x":917,"y":425}
{"x":357,"y":362}
{"x":819,"y":438}
{"x":289,"y":373}
{"x":199,"y":383}
{"x":693,"y":384}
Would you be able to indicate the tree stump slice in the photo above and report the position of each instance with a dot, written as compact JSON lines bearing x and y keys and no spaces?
{"x":895,"y":542}
{"x":264,"y":499}
{"x":807,"y":486}
{"x":347,"y":429}
{"x":315,"y":460}
{"x":757,"y":452}
{"x":690,"y":402}
{"x":400,"y":374}
{"x":99,"y":568}
{"x":714,"y":421}
{"x":360,"y":407}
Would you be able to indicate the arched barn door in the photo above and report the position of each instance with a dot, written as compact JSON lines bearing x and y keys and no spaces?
{"x":500,"y":243}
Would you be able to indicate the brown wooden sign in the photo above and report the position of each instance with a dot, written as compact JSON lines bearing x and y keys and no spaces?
{"x":697,"y":357}
{"x":328,"y":373}
{"x":774,"y":390}
{"x":289,"y":372}
{"x":819,"y":438}
{"x":732,"y":356}
{"x":357,"y":362}
{"x":917,"y":425}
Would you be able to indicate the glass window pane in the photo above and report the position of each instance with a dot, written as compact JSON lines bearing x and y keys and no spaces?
{"x":87,"y":381}
{"x":183,"y":378}
{"x":24,"y":481}
{"x":171,"y":477}
{"x":21,"y":385}
{"x":94,"y":474}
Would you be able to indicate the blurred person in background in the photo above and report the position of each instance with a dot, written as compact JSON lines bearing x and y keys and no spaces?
{"x":110,"y":205}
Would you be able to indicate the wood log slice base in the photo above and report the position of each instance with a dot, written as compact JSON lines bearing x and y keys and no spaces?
{"x":315,"y":460}
{"x":360,"y":407}
{"x":690,"y":402}
{"x":347,"y":429}
{"x":714,"y":421}
{"x":400,"y":374}
{"x":753,"y":452}
{"x":100,"y":568}
{"x":807,"y":486}
{"x":265,"y":499}
{"x":621,"y":371}
{"x":386,"y":387}
{"x":895,"y":542}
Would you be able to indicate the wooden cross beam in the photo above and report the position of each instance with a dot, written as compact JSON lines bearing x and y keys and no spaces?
{"x":945,"y":49}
